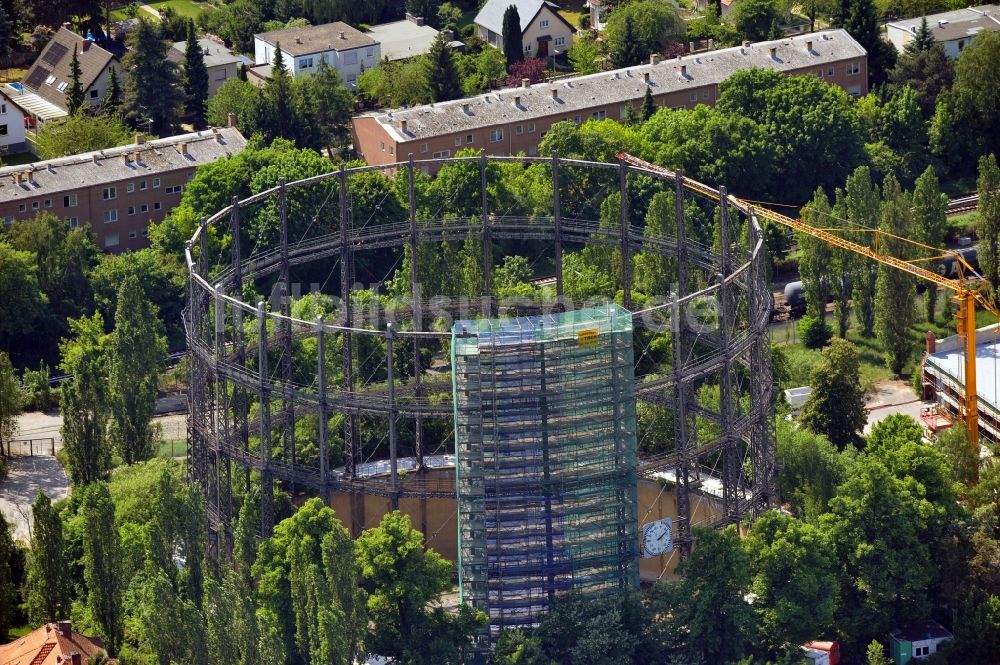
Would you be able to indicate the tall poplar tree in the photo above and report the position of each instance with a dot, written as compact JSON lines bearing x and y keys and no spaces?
{"x":135,"y":353}
{"x":10,"y":402}
{"x":152,"y":95}
{"x":74,"y":95}
{"x":861,"y":203}
{"x":513,"y":46}
{"x":84,"y":401}
{"x":894,"y":289}
{"x":111,"y":103}
{"x":989,"y":216}
{"x":8,"y":592}
{"x":195,"y":79}
{"x":48,"y":583}
{"x":930,"y":223}
{"x":102,"y":564}
{"x":816,"y":257}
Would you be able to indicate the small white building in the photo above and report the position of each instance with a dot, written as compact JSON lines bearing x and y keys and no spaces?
{"x":12,"y":139}
{"x":220,"y":63}
{"x":409,"y":38}
{"x":544,"y":33}
{"x":954,"y":30}
{"x":917,"y":641}
{"x":346,"y":49}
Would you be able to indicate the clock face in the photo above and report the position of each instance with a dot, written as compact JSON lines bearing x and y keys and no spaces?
{"x":657,"y":538}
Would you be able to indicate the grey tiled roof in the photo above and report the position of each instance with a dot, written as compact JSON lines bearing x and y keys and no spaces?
{"x":491,"y":15}
{"x":956,"y":24}
{"x":317,"y":38}
{"x":585,"y":92}
{"x":54,"y":61}
{"x":402,"y":39}
{"x":215,"y":54}
{"x":157,"y":156}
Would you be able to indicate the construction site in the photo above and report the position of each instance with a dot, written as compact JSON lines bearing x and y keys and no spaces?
{"x":515,"y":431}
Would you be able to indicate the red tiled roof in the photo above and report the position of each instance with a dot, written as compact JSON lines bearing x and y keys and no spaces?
{"x":47,"y":646}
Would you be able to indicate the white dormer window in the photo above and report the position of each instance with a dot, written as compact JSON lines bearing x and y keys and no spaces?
{"x":50,"y":80}
{"x":544,"y":23}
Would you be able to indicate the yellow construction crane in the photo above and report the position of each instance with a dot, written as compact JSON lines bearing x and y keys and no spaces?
{"x":968,"y":290}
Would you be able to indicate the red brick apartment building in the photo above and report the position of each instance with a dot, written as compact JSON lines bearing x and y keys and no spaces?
{"x":514,"y":120}
{"x":118,"y":192}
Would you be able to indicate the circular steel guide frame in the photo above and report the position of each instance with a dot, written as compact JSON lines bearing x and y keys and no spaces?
{"x":714,"y":380}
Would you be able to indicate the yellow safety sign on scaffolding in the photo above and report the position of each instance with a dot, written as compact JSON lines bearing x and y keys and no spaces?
{"x":586,"y":337}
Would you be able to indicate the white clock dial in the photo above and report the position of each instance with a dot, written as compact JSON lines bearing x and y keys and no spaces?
{"x":657,"y":538}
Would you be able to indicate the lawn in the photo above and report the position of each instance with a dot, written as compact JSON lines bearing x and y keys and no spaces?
{"x":186,"y":8}
{"x":172,"y":449}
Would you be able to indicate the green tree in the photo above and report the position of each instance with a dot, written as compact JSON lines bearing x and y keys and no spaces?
{"x":928,"y":72}
{"x":707,"y":606}
{"x":22,"y":304}
{"x":794,"y":581}
{"x":875,"y":652}
{"x":513,"y":48}
{"x":6,"y":34}
{"x":195,"y":76}
{"x":894,"y":289}
{"x":638,"y":29}
{"x":648,"y":104}
{"x":111,"y":103}
{"x":10,"y":404}
{"x":80,"y":133}
{"x":591,"y":631}
{"x":816,"y":257}
{"x":161,"y":627}
{"x":334,"y":104}
{"x":975,"y":97}
{"x":988,"y":186}
{"x":84,"y":401}
{"x":449,"y":17}
{"x":74,"y":95}
{"x":863,"y":206}
{"x":48,"y":585}
{"x":135,"y":354}
{"x":102,"y":570}
{"x":442,"y":73}
{"x":585,"y":54}
{"x":930,"y":206}
{"x":517,"y":647}
{"x":756,"y":20}
{"x":836,"y":407}
{"x":402,"y":579}
{"x":811,"y":470}
{"x":954,"y":442}
{"x":922,"y":40}
{"x":8,"y":586}
{"x":151,"y":92}
{"x":241,"y":20}
{"x":862,"y":23}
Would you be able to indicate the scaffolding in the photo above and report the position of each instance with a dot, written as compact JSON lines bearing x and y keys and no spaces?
{"x":545,"y":442}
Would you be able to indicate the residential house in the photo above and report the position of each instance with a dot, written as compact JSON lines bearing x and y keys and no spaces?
{"x":514,"y":120}
{"x":117,"y":192}
{"x":916,"y":641}
{"x":409,"y":38}
{"x":346,"y":49}
{"x":544,"y":32}
{"x":12,"y":139}
{"x":49,"y":76}
{"x":52,"y":644}
{"x":220,"y":62}
{"x":954,"y":30}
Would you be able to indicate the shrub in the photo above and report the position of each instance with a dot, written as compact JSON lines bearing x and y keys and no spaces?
{"x":814,"y":331}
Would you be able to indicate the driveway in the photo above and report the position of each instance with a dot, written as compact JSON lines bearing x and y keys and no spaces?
{"x":27,"y":476}
{"x":891,"y":397}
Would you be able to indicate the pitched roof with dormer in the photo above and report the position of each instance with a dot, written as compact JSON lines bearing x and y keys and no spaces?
{"x":49,"y":75}
{"x":52,"y":644}
{"x":491,"y":15}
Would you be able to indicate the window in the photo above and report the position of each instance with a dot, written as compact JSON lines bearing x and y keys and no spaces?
{"x":73,"y":222}
{"x":370,"y":52}
{"x":131,"y":210}
{"x":704,"y":94}
{"x":3,"y":108}
{"x":351,"y":58}
{"x":145,"y":232}
{"x":221,"y":75}
{"x":819,"y":72}
{"x":544,"y":23}
{"x":623,"y":111}
{"x":93,"y":94}
{"x":496,"y":135}
{"x":598,"y":115}
{"x":469,"y":139}
{"x":130,"y":187}
{"x":156,"y":206}
{"x":110,"y":216}
{"x":560,"y":41}
{"x":8,"y":220}
{"x":853,"y":69}
{"x":961,"y":44}
{"x":131,"y":234}
{"x":919,"y":652}
{"x":519,"y":130}
{"x":144,"y":208}
{"x":305,"y":63}
{"x":69,"y":201}
{"x":829,"y":71}
{"x":142,"y":185}
{"x":62,"y":86}
{"x":458,"y":141}
{"x":22,"y":207}
{"x":48,"y":203}
{"x":577,"y":120}
{"x":423,"y":148}
{"x":50,"y":80}
{"x":442,"y":154}
{"x":109,"y":193}
{"x":177,"y":189}
{"x":527,"y":48}
{"x":156,"y":183}
{"x":694,"y":96}
{"x":531,"y":128}
{"x":392,"y":150}
{"x":382,"y":145}
{"x":190,"y":176}
{"x":111,"y":240}
{"x":35,"y":205}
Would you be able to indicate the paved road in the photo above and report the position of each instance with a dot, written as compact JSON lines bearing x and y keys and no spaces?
{"x":891,"y":397}
{"x":27,"y":476}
